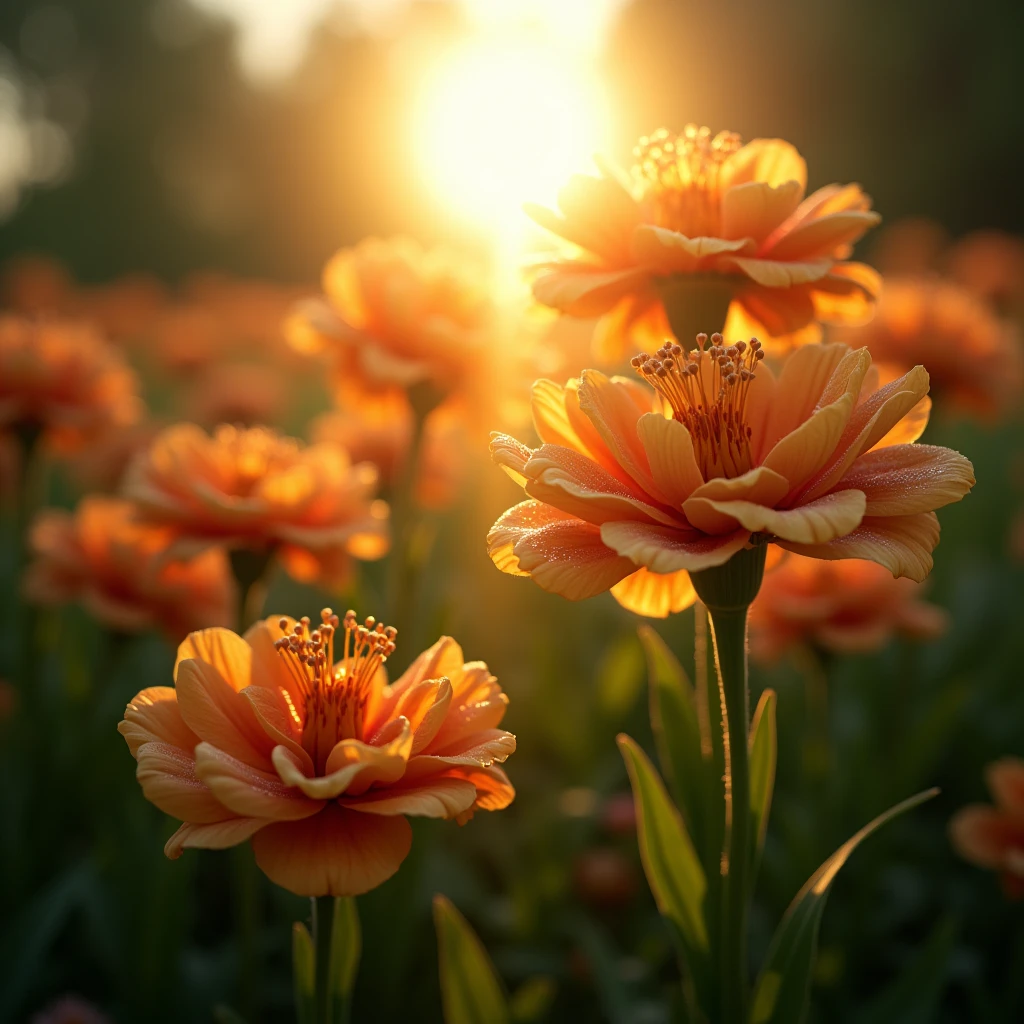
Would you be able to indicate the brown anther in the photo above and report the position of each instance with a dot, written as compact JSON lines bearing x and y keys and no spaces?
{"x":282,"y":623}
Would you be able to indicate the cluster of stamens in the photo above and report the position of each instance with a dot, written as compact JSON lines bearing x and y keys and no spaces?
{"x":679,"y":174}
{"x":707,"y":389}
{"x":334,"y":694}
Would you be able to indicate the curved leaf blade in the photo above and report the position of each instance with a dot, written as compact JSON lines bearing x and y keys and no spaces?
{"x":673,"y":869}
{"x":470,"y":990}
{"x":346,"y":949}
{"x":782,"y":989}
{"x":764,"y":751}
{"x":303,"y":974}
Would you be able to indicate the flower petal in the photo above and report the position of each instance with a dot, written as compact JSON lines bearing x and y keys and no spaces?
{"x":661,"y":251}
{"x":222,"y":649}
{"x":561,"y":553}
{"x":249,"y":792}
{"x":822,"y":236}
{"x":903,"y":479}
{"x":511,"y":455}
{"x":984,"y":835}
{"x":334,"y":853}
{"x":815,"y":522}
{"x":1005,"y":781}
{"x":903,"y":544}
{"x":761,"y":486}
{"x":665,"y":550}
{"x":431,"y":798}
{"x":425,"y":706}
{"x":669,"y":450}
{"x":583,"y":291}
{"x":217,"y":835}
{"x":755,"y":209}
{"x":168,"y":778}
{"x":153,"y":714}
{"x":218,"y":714}
{"x":773,"y":161}
{"x":911,"y":427}
{"x":653,"y":594}
{"x":847,"y":294}
{"x":771,"y":273}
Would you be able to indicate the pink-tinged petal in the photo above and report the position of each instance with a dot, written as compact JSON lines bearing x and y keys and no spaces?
{"x":218,"y":714}
{"x":822,"y":236}
{"x":902,"y":479}
{"x":655,"y":595}
{"x":903,"y":544}
{"x":910,"y":428}
{"x":614,"y":407}
{"x":585,"y":292}
{"x":153,"y":714}
{"x":669,"y":450}
{"x":869,"y":423}
{"x":773,"y":161}
{"x":337,"y":852}
{"x":223,"y":650}
{"x":217,"y":835}
{"x":577,"y":486}
{"x":168,"y":778}
{"x":804,"y":377}
{"x":562,"y":554}
{"x":511,"y":455}
{"x":665,"y":550}
{"x":1005,"y":781}
{"x":481,"y":748}
{"x":984,"y":835}
{"x":755,"y":209}
{"x":771,"y":273}
{"x":761,"y":486}
{"x":432,"y":798}
{"x":847,"y":294}
{"x":661,"y":251}
{"x":816,"y":522}
{"x":249,"y":792}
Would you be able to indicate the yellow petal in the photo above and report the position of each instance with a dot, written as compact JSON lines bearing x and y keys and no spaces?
{"x":655,"y":595}
{"x":755,"y":209}
{"x":669,"y":450}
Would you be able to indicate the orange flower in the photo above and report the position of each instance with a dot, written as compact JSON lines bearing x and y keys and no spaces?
{"x":991,"y":264}
{"x":235,"y":392}
{"x":632,"y":487}
{"x":734,"y":215}
{"x":397,"y":314}
{"x":265,"y":737}
{"x":993,"y":837}
{"x":63,"y":378}
{"x":972,"y":357}
{"x":118,"y":569}
{"x":256,"y":489}
{"x":841,"y":606}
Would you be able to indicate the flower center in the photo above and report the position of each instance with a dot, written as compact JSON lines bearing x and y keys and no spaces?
{"x":707,"y":389}
{"x":679,"y":176}
{"x":334,"y":694}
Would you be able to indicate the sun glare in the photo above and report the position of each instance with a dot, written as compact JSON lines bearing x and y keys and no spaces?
{"x":501,"y":124}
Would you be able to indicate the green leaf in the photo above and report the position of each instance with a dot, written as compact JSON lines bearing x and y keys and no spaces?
{"x":677,"y":735}
{"x":781,"y":992}
{"x":303,"y":974}
{"x":346,"y":948}
{"x":470,"y":990}
{"x":763,"y":755}
{"x":673,"y":870}
{"x":532,"y":1000}
{"x":620,"y":676}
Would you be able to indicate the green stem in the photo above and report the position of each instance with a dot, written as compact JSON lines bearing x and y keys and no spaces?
{"x":729,"y":626}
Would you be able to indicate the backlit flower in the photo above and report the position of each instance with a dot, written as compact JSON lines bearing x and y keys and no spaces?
{"x":256,"y":489}
{"x":718,"y":455}
{"x":844,"y":606}
{"x":972,"y":357}
{"x":118,"y":569}
{"x":396,"y":314}
{"x":318,"y":762}
{"x":708,"y":205}
{"x":62,"y":378}
{"x":993,"y":837}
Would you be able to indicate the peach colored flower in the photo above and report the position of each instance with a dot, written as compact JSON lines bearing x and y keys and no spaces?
{"x":62,"y":377}
{"x":119,"y":570}
{"x":266,"y":738}
{"x":256,"y":489}
{"x":844,"y":606}
{"x":708,"y":206}
{"x":634,"y":486}
{"x":396,"y":314}
{"x":972,"y":357}
{"x":993,"y":837}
